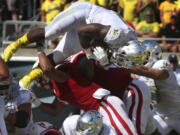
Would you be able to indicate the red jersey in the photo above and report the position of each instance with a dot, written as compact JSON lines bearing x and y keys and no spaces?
{"x":115,"y":80}
{"x":77,"y":90}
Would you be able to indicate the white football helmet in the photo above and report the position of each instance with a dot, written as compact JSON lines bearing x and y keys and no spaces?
{"x":154,"y":51}
{"x":132,"y":54}
{"x":89,"y":123}
{"x":43,"y":128}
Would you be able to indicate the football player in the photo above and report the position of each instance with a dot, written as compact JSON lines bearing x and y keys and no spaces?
{"x":80,"y":91}
{"x":167,"y":107}
{"x":85,"y":26}
{"x":18,"y":113}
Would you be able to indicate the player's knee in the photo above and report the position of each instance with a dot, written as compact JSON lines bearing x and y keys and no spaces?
{"x":22,"y":119}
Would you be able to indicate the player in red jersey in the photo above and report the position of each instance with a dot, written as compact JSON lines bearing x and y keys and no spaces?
{"x":134,"y":93}
{"x":72,"y":86}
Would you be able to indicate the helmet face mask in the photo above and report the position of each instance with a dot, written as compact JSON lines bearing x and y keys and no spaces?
{"x":89,"y":123}
{"x":154,"y":50}
{"x":131,"y":54}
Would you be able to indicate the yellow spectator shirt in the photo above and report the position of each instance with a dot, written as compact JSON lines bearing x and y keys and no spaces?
{"x":167,"y":8}
{"x":51,"y":8}
{"x":178,"y":4}
{"x":103,"y":3}
{"x":144,"y":26}
{"x":128,"y":6}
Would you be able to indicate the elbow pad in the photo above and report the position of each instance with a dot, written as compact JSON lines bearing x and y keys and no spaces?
{"x":22,"y":119}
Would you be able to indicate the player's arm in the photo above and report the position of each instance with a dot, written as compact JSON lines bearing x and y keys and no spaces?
{"x":51,"y":108}
{"x":4,"y":72}
{"x":153,"y":73}
{"x":92,"y":35}
{"x":49,"y":70}
{"x":35,"y":35}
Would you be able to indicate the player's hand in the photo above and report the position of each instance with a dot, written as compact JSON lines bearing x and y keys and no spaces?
{"x":101,"y":56}
{"x":44,"y":62}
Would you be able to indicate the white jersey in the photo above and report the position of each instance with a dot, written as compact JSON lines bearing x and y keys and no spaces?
{"x":20,"y":96}
{"x":70,"y":123}
{"x":168,"y":89}
{"x":81,"y":13}
{"x":148,"y":81}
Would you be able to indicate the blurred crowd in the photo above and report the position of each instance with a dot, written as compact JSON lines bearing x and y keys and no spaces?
{"x":150,"y":18}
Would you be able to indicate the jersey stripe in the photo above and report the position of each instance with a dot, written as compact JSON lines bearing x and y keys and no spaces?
{"x":111,"y":120}
{"x":132,"y":104}
{"x":124,"y":124}
{"x":139,"y":108}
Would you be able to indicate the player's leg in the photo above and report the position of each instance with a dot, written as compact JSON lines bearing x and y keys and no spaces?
{"x":69,"y":19}
{"x":63,"y":22}
{"x":67,"y":46}
{"x":114,"y":114}
{"x":137,"y":100}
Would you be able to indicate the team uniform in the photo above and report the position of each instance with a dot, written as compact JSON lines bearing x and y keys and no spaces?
{"x":81,"y":13}
{"x":89,"y":95}
{"x":70,"y":124}
{"x":134,"y":93}
{"x":167,"y":111}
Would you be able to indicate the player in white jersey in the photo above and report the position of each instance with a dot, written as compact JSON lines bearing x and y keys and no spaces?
{"x":173,"y":60}
{"x":18,"y":112}
{"x":4,"y":86}
{"x":88,"y":123}
{"x":85,"y":25}
{"x":167,"y":110}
